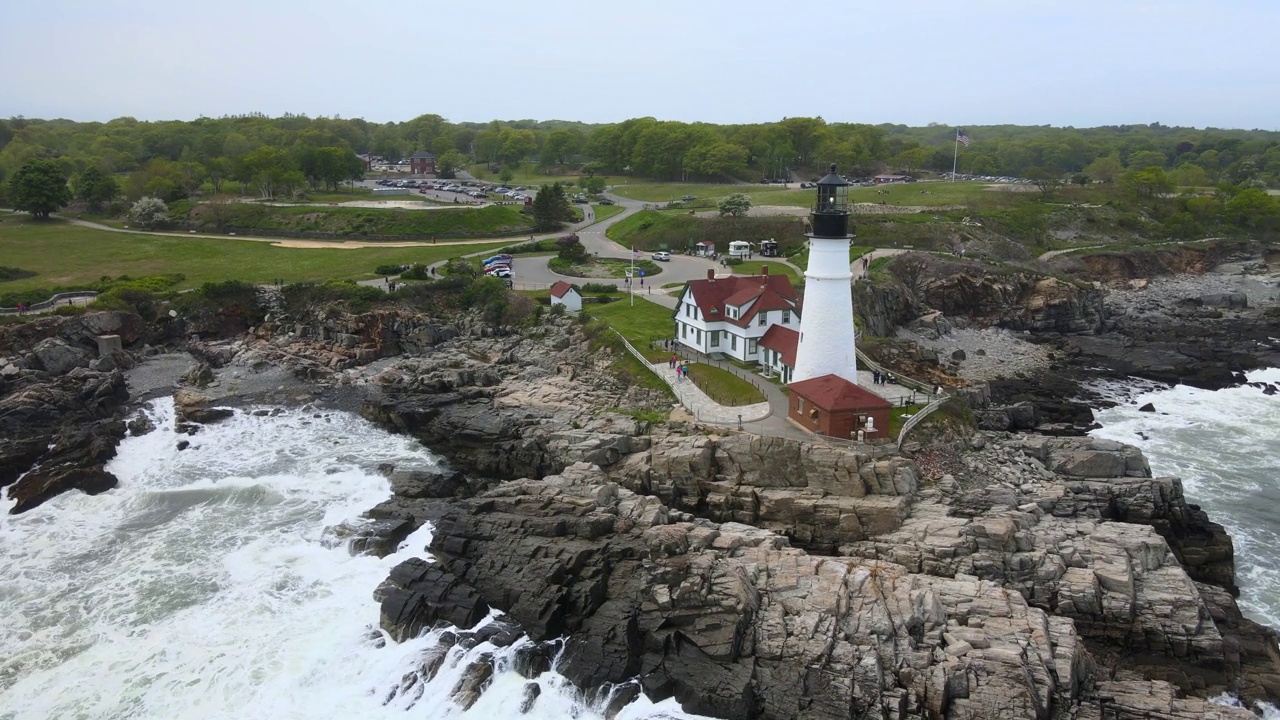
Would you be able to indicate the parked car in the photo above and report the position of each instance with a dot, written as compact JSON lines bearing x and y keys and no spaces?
{"x":687,"y":198}
{"x":498,"y":258}
{"x":662,"y":255}
{"x":502,"y":272}
{"x":606,"y":201}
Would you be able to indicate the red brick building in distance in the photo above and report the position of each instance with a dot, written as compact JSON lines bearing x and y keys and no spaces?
{"x":830,"y":405}
{"x":422,"y":163}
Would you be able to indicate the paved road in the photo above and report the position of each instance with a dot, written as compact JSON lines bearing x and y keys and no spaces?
{"x":1055,"y":253}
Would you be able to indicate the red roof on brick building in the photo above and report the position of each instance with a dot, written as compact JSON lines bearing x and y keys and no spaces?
{"x":781,"y":339}
{"x":560,"y":289}
{"x":832,"y":392}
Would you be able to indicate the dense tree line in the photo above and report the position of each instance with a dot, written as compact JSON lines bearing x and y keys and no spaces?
{"x":255,"y":153}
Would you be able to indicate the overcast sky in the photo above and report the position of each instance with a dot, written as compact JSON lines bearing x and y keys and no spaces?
{"x":1059,"y":62}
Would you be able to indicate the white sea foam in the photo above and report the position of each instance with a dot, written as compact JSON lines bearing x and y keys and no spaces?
{"x":202,"y":587}
{"x":1225,"y":445}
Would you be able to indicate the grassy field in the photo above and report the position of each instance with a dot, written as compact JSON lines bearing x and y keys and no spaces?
{"x":938,"y":193}
{"x":526,"y":175}
{"x":604,"y":212}
{"x":266,"y":219}
{"x":752,"y":267}
{"x":801,"y":259}
{"x":723,"y":386}
{"x":64,"y":255}
{"x":639,"y":324}
{"x":653,"y":230}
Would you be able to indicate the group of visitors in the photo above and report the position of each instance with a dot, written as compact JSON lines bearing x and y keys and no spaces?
{"x":680,"y":366}
{"x":23,"y":308}
{"x":883,"y":378}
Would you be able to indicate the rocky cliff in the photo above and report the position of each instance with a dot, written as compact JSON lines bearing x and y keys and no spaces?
{"x":758,"y":577}
{"x":61,"y":404}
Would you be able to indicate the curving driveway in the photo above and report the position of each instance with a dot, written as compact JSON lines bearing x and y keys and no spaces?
{"x":532,"y":273}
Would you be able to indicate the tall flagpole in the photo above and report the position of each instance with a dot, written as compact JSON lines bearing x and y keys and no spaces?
{"x":631,"y":283}
{"x":955,"y":157}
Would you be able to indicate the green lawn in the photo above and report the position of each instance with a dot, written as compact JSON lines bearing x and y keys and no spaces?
{"x":801,"y":259}
{"x":752,"y":267}
{"x":269,"y":219}
{"x":939,"y":193}
{"x":526,"y":175}
{"x":68,"y":256}
{"x":663,"y":192}
{"x":639,"y":324}
{"x":604,"y":212}
{"x":723,"y":386}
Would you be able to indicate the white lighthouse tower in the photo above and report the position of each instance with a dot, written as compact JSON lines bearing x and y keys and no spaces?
{"x":826,"y":323}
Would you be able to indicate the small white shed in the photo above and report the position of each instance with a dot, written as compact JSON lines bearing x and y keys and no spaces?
{"x":562,"y":293}
{"x":706,"y":248}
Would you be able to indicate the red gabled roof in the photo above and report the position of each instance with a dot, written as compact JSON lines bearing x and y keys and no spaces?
{"x":832,"y":392}
{"x":772,"y":292}
{"x":707,"y":243}
{"x":560,"y":289}
{"x":781,"y":339}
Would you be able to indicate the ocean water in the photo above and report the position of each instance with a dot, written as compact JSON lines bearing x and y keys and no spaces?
{"x":205,"y":586}
{"x":1225,"y":445}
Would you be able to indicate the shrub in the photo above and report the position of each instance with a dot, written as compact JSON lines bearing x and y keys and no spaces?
{"x":301,"y":299}
{"x":390,"y":269}
{"x":593,"y":287}
{"x":13,"y":273}
{"x":128,"y":299}
{"x":417,"y":271}
{"x":733,"y":261}
{"x":539,"y":246}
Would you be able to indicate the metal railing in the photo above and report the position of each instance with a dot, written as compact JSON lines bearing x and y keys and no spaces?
{"x":52,"y":302}
{"x":673,"y":345}
{"x":700,"y":416}
{"x":917,"y":418}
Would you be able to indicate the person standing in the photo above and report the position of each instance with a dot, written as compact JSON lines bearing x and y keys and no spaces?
{"x":875,"y":377}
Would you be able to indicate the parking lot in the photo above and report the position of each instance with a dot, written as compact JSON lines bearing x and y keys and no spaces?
{"x":468,"y":192}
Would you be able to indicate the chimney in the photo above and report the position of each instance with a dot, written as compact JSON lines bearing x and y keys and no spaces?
{"x":711,"y":274}
{"x":764,"y":270}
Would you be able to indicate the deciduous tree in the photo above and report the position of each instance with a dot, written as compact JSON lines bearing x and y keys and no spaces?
{"x":39,"y":188}
{"x":1048,"y":181}
{"x":149,"y":211}
{"x":94,"y":187}
{"x":737,"y":205}
{"x":1104,"y":169}
{"x":449,"y":163}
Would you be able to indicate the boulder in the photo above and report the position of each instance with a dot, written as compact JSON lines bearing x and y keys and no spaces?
{"x":55,"y":356}
{"x":430,"y":483}
{"x":1234,"y":300}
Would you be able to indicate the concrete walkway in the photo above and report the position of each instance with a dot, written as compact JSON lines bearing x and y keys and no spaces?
{"x":704,"y":408}
{"x":856,"y":267}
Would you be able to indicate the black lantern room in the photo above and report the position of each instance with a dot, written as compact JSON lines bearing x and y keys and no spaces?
{"x":831,"y":213}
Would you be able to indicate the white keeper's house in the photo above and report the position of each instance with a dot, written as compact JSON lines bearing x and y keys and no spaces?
{"x":731,"y":314}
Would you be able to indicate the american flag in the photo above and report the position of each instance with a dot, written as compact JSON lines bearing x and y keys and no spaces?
{"x":962,"y":138}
